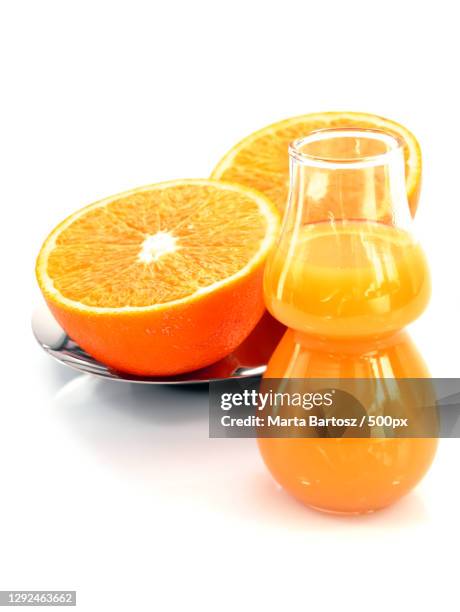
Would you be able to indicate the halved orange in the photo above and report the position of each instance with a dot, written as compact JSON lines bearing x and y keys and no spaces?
{"x":162,"y":279}
{"x":261,"y":160}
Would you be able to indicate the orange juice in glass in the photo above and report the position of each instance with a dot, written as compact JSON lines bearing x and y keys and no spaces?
{"x":346,"y":277}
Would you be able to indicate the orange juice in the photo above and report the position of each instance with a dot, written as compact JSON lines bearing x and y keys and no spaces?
{"x":347,"y":475}
{"x":345,"y":290}
{"x":347,"y":279}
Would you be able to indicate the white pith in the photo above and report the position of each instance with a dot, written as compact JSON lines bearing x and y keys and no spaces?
{"x":157,"y":245}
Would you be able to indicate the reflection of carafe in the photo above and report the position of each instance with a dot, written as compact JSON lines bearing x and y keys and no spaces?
{"x":346,"y":278}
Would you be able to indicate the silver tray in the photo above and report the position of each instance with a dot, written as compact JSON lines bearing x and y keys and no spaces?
{"x":249,"y":359}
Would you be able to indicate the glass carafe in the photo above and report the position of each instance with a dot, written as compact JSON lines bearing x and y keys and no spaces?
{"x":346,"y":277}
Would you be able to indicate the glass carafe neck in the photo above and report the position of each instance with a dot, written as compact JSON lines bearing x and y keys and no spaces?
{"x":347,"y":175}
{"x":347,"y":265}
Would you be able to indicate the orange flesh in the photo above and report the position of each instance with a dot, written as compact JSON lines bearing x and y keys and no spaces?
{"x":156,"y":246}
{"x":261,"y":160}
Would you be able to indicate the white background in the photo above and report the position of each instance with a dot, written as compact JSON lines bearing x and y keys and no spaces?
{"x":116,"y":490}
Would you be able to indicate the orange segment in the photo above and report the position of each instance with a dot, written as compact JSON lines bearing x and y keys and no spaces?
{"x":261,"y":161}
{"x":142,"y":280}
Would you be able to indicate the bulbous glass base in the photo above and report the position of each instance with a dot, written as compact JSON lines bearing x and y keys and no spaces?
{"x":347,"y":475}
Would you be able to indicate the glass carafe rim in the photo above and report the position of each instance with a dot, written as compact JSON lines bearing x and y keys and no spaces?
{"x":394,"y":143}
